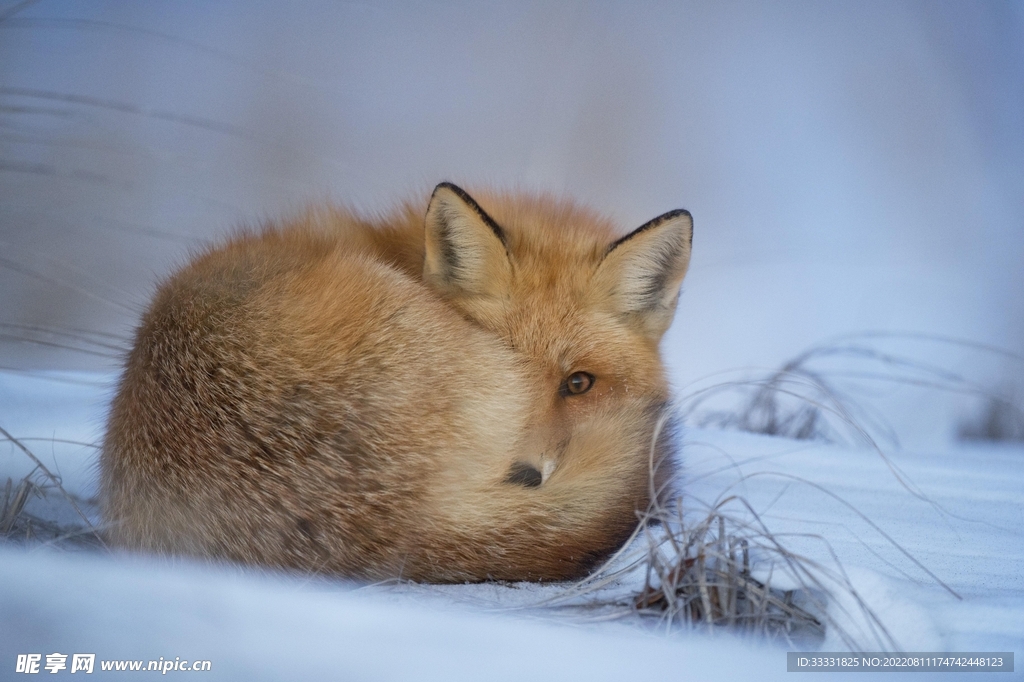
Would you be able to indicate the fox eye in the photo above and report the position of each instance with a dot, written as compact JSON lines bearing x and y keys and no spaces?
{"x":577,"y":383}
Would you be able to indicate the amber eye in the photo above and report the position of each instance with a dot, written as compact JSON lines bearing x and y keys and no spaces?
{"x":577,"y":383}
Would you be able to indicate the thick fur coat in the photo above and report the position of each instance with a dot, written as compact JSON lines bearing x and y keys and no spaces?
{"x":458,"y":391}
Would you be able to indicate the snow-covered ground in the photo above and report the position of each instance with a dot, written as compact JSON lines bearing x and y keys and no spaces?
{"x":958,"y":514}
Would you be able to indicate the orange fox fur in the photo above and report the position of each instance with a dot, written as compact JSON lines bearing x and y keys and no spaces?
{"x":466,"y":396}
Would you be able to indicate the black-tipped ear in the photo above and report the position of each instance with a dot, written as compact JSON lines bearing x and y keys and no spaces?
{"x":641,"y":273}
{"x":465,"y":247}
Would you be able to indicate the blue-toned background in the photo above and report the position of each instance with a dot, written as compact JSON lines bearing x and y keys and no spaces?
{"x":851,"y":166}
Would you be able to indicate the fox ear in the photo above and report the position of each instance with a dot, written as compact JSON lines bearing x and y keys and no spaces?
{"x":641,"y":272}
{"x":466,"y":255}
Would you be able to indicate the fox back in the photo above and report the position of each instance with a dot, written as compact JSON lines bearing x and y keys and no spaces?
{"x":474,"y":394}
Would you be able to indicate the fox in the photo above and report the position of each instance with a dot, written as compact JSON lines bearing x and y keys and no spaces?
{"x":455,"y":391}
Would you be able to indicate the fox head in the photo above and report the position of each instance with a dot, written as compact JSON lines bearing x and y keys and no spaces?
{"x":583,"y":311}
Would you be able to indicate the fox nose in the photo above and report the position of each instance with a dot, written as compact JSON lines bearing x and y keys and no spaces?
{"x":539,"y":454}
{"x":524,"y":474}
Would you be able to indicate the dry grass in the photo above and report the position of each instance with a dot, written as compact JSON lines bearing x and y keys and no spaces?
{"x":701,"y":575}
{"x":65,"y":520}
{"x":814,"y":395}
{"x":999,"y":419}
{"x":713,"y":571}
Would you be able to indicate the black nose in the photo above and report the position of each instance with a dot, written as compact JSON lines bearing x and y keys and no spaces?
{"x":525,"y":475}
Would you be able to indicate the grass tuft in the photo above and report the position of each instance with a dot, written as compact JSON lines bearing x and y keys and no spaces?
{"x":1000,"y":419}
{"x":811,"y":396}
{"x":38,"y":510}
{"x":700,"y":576}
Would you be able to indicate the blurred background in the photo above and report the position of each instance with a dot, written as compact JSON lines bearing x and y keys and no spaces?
{"x":851,"y":166}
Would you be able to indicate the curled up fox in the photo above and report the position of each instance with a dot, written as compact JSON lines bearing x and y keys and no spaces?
{"x":466,"y":389}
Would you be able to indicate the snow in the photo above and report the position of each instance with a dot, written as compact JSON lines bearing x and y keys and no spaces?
{"x":963,"y":526}
{"x":959,"y":516}
{"x":275,"y":628}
